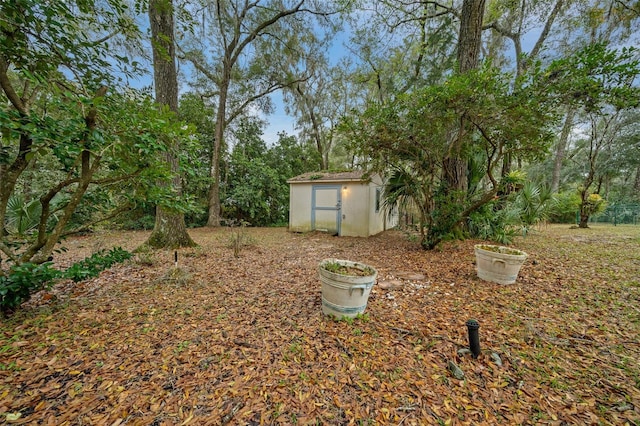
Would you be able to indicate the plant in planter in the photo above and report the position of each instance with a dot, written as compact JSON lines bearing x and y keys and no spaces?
{"x":498,"y":264}
{"x":346,"y":286}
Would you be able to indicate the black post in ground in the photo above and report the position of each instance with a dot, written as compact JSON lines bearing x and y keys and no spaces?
{"x":474,"y":338}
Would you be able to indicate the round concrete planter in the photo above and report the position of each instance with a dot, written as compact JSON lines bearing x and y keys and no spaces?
{"x":346,"y":287}
{"x":498,"y":264}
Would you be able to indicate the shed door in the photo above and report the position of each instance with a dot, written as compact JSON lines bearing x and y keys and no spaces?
{"x":326,"y":205}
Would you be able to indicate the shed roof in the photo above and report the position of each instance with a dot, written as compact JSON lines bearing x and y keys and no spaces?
{"x":353,"y":176}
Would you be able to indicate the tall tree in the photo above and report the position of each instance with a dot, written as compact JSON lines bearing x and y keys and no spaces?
{"x":454,"y":163}
{"x":169,"y":229}
{"x":239,"y":60}
{"x":410,"y":136}
{"x":512,"y":22}
{"x":561,"y":148}
{"x":319,"y":102}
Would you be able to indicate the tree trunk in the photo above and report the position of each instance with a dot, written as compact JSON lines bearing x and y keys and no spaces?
{"x":561,"y":148}
{"x":584,"y":196}
{"x":469,"y":42}
{"x":584,"y":214}
{"x":216,"y":156}
{"x":454,"y":180}
{"x":169,"y":230}
{"x":454,"y":171}
{"x":470,"y":36}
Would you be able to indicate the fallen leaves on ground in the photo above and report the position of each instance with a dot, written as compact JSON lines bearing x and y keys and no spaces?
{"x":223,"y":340}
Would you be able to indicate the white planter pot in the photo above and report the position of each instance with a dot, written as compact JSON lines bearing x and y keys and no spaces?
{"x":498,"y":264}
{"x":345,"y":295}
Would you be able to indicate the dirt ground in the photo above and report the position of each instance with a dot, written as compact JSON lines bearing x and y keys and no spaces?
{"x":242,"y":340}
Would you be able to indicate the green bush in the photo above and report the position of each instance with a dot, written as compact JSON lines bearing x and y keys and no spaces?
{"x":501,"y":221}
{"x":564,"y":207}
{"x":594,"y":205}
{"x":22,"y":281}
{"x":495,"y":222}
{"x":96,"y":263}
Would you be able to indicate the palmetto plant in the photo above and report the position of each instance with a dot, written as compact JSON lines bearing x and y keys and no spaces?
{"x":535,"y":202}
{"x":22,"y":216}
{"x":406,"y":190}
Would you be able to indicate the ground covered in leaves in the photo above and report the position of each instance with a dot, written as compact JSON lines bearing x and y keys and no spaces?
{"x":241,"y":340}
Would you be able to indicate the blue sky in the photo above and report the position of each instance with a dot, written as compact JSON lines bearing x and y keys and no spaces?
{"x":279,"y":121}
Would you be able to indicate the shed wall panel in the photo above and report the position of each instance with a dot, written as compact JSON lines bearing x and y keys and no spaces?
{"x":300,"y":208}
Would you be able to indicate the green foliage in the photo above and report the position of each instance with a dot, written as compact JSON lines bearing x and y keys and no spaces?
{"x":128,"y":147}
{"x":256,"y":189}
{"x":140,"y":218}
{"x":405,"y":190}
{"x":597,"y":77}
{"x":342,"y":269}
{"x":505,"y":118}
{"x":535,"y":203}
{"x":96,"y":263}
{"x":364,"y":318}
{"x":20,"y":281}
{"x":39,"y":38}
{"x":593,"y":204}
{"x":618,"y":213}
{"x":564,"y":207}
{"x":495,"y":222}
{"x":22,"y":217}
{"x":412,"y":135}
{"x":200,"y":115}
{"x":72,"y":138}
{"x":503,"y":219}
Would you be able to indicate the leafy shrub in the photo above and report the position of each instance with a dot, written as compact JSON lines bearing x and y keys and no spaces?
{"x":499,"y":223}
{"x":22,"y":216}
{"x":534,"y":202}
{"x":564,"y":207}
{"x":594,"y":204}
{"x":22,"y":281}
{"x":96,"y":263}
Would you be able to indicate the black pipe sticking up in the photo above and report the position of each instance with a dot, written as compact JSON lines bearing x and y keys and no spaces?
{"x":474,"y":338}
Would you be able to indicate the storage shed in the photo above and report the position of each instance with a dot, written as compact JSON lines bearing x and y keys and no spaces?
{"x":345,"y":203}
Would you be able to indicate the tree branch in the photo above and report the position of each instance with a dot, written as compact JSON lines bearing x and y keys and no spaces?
{"x":627,"y":7}
{"x":10,"y":254}
{"x":105,"y":38}
{"x":8,"y":89}
{"x":198,"y":66}
{"x":258,"y":29}
{"x":546,"y":30}
{"x":86,"y":227}
{"x":270,"y":89}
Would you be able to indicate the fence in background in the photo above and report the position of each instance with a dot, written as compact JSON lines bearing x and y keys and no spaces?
{"x":617,"y":214}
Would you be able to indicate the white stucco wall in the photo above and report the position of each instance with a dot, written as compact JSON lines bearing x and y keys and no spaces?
{"x":358,"y":216}
{"x":376,"y":219}
{"x":355,"y":210}
{"x":300,"y":207}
